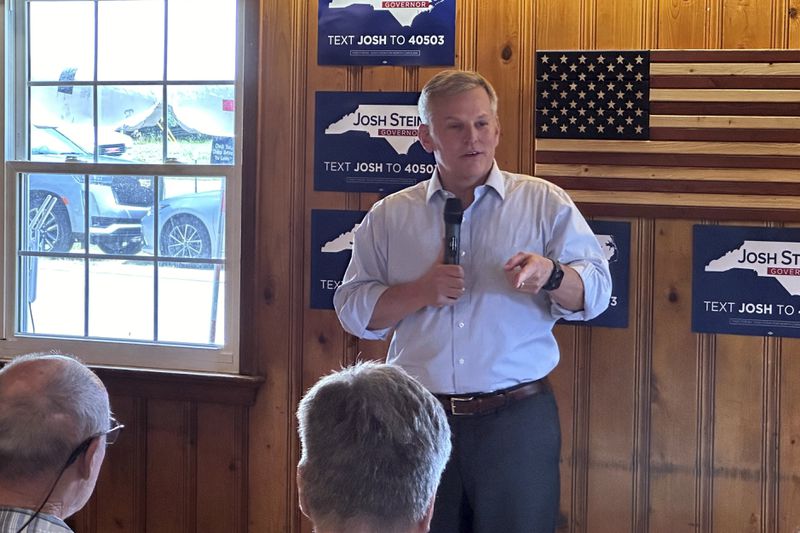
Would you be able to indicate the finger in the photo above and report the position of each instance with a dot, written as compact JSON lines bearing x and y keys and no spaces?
{"x":516,"y":260}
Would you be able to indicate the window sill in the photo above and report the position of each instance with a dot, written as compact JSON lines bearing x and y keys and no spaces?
{"x":181,"y":386}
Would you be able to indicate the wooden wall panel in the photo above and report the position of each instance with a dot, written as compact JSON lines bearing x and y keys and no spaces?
{"x":677,"y":381}
{"x":793,"y":23}
{"x":558,"y":25}
{"x":747,"y":23}
{"x":619,"y":24}
{"x":682,"y":23}
{"x":788,"y":511}
{"x":171,"y":501}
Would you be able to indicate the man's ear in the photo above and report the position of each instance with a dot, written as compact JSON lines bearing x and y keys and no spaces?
{"x":301,"y":496}
{"x":424,"y":134}
{"x":90,"y":461}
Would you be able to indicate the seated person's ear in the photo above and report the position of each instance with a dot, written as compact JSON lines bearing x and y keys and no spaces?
{"x":92,"y":459}
{"x":425,"y":523}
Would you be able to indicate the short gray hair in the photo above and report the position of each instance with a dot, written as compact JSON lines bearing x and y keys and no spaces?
{"x":449,"y":83}
{"x":374,"y":445}
{"x":41,"y":425}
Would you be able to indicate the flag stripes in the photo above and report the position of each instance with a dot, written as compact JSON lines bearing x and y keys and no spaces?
{"x":689,"y":115}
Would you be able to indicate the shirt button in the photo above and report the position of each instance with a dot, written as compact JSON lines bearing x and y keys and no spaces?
{"x":461,"y":324}
{"x":461,"y":361}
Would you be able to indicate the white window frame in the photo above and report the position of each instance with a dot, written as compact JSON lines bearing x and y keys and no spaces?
{"x":101,"y":352}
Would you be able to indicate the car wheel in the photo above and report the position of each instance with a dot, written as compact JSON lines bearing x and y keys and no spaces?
{"x":120,"y":246}
{"x":54,"y":233}
{"x":185,"y":236}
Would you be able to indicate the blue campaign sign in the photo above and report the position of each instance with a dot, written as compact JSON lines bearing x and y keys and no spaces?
{"x":746,"y":280}
{"x":331,"y":248}
{"x":367,"y":142}
{"x":386,"y":32}
{"x":222,"y":151}
{"x":614,"y":238}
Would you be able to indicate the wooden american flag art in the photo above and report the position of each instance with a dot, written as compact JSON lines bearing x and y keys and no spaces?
{"x":686,"y":115}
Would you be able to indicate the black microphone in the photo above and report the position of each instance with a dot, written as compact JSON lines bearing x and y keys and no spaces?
{"x":452,"y":230}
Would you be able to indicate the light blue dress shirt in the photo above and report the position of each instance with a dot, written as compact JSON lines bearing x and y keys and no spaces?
{"x":494,"y":336}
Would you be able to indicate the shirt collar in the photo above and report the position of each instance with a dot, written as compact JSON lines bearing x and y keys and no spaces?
{"x":495,"y":181}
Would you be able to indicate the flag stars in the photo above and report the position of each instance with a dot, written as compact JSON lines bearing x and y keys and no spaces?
{"x":545,"y":59}
{"x":582,"y":95}
{"x":563,"y":76}
{"x":573,"y":120}
{"x":591,"y":67}
{"x":620,"y":112}
{"x":620,"y":129}
{"x":638,"y":76}
{"x":582,"y":59}
{"x":629,"y":86}
{"x":601,"y":94}
{"x":601,"y":129}
{"x":544,"y":128}
{"x":601,"y":59}
{"x":545,"y":76}
{"x":563,"y":128}
{"x":610,"y":86}
{"x":573,"y":104}
{"x":638,"y":60}
{"x":610,"y":121}
{"x":554,"y":104}
{"x":590,"y":120}
{"x":563,"y":110}
{"x":591,"y":104}
{"x":629,"y":105}
{"x":563,"y":94}
{"x":638,"y":129}
{"x":638,"y":112}
{"x":620,"y":95}
{"x":629,"y":67}
{"x":628,"y":121}
{"x":553,"y":68}
{"x":545,"y":94}
{"x":620,"y":59}
{"x":591,"y":86}
{"x":611,"y":104}
{"x":573,"y":86}
{"x":610,"y":67}
{"x":563,"y":59}
{"x":554,"y":120}
{"x":554,"y":85}
{"x":601,"y":111}
{"x":545,"y":111}
{"x":601,"y":77}
{"x":573,"y":67}
{"x":582,"y":128}
{"x":639,"y":95}
{"x":582,"y":76}
{"x":620,"y":76}
{"x":582,"y":112}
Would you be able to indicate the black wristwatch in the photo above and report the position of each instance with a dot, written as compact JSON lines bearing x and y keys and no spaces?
{"x":554,"y":281}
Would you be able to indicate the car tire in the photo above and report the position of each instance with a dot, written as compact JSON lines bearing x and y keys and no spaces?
{"x":56,"y":232}
{"x":185,"y":236}
{"x":120,"y":246}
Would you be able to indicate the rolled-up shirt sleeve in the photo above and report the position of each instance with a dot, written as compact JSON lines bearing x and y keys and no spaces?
{"x":364,"y":280}
{"x":573,"y":243}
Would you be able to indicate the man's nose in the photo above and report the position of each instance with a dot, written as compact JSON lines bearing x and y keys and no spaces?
{"x":471,"y":133}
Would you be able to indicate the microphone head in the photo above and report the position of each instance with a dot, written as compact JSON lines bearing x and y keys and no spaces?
{"x":453,"y":211}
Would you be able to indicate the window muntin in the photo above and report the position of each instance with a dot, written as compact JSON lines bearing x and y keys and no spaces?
{"x":157,"y":267}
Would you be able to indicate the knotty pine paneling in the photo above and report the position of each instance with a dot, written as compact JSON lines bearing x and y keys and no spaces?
{"x":747,"y":24}
{"x":619,"y":24}
{"x":683,"y":24}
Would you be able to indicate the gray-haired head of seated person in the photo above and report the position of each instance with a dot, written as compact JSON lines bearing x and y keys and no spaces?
{"x":49,"y":404}
{"x":374,"y":445}
{"x":448,"y":83}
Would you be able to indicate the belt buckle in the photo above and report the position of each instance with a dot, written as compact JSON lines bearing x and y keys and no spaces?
{"x":454,"y":401}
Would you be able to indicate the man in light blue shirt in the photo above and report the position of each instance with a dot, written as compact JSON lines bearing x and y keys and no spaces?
{"x":478,"y":334}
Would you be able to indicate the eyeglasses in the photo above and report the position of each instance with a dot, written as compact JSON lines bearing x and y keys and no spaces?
{"x":111,"y":434}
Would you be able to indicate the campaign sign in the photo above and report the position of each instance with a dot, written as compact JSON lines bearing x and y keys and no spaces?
{"x":222,"y":151}
{"x":614,"y":238}
{"x":367,"y":142}
{"x":746,"y":281}
{"x":331,"y":248}
{"x":386,"y":32}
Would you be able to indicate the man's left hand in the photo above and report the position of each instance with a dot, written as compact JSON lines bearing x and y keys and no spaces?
{"x":528,"y":272}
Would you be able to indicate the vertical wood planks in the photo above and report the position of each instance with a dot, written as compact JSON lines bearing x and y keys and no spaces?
{"x":747,"y":24}
{"x":681,"y":24}
{"x":618,"y":24}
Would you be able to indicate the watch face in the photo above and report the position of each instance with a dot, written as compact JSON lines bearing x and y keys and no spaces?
{"x":556,"y":276}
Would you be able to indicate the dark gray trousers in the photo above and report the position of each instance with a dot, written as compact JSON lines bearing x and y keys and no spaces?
{"x":503,"y":474}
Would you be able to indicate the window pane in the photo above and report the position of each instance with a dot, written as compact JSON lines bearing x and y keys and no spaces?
{"x":190,"y":304}
{"x":52,"y":296}
{"x":66,"y":106}
{"x":201,"y":124}
{"x":121,"y":299}
{"x":117,"y":205}
{"x":61,"y":41}
{"x":130,"y":44}
{"x":202,"y":40}
{"x":130,"y":122}
{"x":55,"y":221}
{"x":191,"y":220}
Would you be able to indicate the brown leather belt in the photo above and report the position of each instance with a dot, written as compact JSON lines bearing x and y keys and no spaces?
{"x":481,"y":403}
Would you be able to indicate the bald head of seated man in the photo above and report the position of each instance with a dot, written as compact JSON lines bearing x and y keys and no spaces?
{"x":55,"y":422}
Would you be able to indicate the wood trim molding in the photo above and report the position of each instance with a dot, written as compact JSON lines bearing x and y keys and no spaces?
{"x":181,"y":386}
